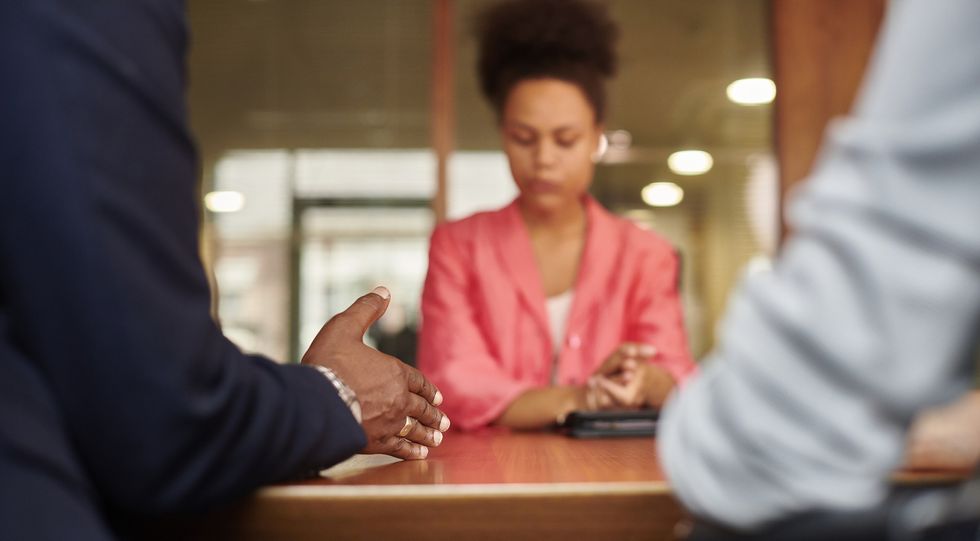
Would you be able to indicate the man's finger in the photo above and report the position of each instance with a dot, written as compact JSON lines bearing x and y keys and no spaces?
{"x":426,"y":413}
{"x":402,"y":448}
{"x":364,"y":312}
{"x":424,"y":435}
{"x":420,"y":385}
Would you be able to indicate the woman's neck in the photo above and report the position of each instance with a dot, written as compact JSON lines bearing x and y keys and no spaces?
{"x":560,"y":222}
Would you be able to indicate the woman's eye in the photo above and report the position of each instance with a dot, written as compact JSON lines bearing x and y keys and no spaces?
{"x":522,"y":140}
{"x":567,"y":143}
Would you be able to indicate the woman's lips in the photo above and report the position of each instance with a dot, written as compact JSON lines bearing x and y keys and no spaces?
{"x":543,"y":186}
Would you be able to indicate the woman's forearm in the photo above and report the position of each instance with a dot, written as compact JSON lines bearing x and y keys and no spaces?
{"x":540,"y":408}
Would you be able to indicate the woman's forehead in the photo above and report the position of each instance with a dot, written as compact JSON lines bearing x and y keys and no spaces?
{"x":548,"y":104}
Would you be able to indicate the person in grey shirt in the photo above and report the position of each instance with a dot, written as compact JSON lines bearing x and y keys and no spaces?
{"x":872,"y":312}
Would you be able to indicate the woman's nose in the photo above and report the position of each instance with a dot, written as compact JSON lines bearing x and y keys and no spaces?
{"x":545,"y":154}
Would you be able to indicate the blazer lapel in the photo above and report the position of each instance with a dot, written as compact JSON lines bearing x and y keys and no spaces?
{"x":600,"y":257}
{"x":516,"y":255}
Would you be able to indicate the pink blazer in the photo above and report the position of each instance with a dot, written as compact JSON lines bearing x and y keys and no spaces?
{"x":485,"y":337}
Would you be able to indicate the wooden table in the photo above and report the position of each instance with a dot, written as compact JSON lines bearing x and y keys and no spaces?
{"x":490,"y":485}
{"x":486,"y":485}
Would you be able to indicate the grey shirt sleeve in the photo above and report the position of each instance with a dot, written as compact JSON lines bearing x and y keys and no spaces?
{"x":873,"y":309}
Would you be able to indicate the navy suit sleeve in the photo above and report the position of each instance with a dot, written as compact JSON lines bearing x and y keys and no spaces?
{"x":100,"y":276}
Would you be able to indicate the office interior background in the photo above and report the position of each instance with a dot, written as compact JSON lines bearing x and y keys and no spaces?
{"x":328,"y":128}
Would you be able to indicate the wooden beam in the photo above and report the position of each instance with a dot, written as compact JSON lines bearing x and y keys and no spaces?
{"x":820,"y":50}
{"x":443,"y":110}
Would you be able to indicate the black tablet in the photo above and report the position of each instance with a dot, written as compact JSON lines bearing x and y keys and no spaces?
{"x":611,"y":423}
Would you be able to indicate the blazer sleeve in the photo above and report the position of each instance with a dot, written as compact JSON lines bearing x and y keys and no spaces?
{"x":102,"y":284}
{"x":656,"y":316}
{"x":453,"y":351}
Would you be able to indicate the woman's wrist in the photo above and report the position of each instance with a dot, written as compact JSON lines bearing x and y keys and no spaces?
{"x":659,"y":383}
{"x":573,"y":399}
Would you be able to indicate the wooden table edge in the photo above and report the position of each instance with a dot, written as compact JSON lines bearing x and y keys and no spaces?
{"x":329,"y":492}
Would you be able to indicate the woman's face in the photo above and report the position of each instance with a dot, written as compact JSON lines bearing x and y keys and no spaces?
{"x":550,"y":136}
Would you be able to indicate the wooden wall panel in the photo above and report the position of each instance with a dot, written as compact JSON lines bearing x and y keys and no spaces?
{"x":820,"y":50}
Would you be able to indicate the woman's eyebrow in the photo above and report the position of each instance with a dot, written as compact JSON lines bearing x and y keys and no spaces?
{"x":518,"y":125}
{"x":568,"y":128}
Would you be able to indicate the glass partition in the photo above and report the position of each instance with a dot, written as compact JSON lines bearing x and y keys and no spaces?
{"x":316,"y":114}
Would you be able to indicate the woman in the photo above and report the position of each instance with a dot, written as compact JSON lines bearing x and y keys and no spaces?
{"x":550,"y":304}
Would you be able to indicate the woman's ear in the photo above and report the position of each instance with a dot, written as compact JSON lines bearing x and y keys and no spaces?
{"x":601,"y":146}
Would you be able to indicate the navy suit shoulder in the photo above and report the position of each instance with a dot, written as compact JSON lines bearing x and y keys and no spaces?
{"x":117,"y":391}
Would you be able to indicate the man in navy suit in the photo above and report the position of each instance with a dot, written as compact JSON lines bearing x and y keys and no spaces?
{"x":118,"y":394}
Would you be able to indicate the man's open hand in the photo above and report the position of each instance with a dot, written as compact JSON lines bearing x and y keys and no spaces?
{"x":398,"y":404}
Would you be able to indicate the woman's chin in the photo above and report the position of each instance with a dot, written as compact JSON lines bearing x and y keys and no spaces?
{"x":546,"y":203}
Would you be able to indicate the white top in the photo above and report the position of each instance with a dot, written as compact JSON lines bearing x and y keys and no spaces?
{"x":873,"y":308}
{"x":558,"y":308}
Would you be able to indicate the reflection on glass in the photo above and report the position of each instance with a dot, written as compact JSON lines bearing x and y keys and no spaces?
{"x":337,"y":204}
{"x":347,"y":252}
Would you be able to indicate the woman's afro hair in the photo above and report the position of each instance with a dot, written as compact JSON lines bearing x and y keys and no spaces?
{"x":572,"y":40}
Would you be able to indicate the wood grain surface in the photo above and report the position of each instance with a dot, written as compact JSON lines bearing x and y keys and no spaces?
{"x":496,"y":456}
{"x":488,"y":485}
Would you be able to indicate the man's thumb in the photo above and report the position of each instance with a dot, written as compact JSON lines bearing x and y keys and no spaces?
{"x":367,"y":309}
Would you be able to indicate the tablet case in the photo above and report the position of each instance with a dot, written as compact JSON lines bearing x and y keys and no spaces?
{"x":611,"y":423}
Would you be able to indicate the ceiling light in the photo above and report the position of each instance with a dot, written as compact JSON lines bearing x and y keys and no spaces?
{"x":690,"y":162}
{"x":662,"y":194}
{"x":224,"y":201}
{"x":753,"y":91}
